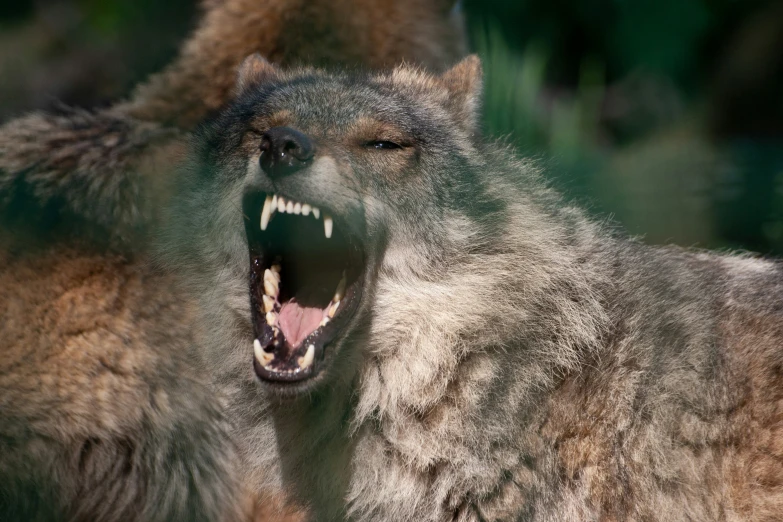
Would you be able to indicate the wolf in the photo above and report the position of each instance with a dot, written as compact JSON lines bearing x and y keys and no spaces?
{"x":107,"y":412}
{"x":409,"y":324}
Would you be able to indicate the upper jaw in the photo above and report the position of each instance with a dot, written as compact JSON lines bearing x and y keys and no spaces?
{"x":274,"y":203}
{"x":297,"y":250}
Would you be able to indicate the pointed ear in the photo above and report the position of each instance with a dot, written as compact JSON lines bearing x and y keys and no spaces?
{"x":464,"y":83}
{"x":255,"y":70}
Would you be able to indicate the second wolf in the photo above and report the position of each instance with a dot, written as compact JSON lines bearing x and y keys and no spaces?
{"x":432,"y":334}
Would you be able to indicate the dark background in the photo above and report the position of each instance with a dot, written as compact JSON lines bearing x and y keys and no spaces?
{"x":666,"y":115}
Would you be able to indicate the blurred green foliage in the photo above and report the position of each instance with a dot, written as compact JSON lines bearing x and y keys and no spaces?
{"x":640,"y":109}
{"x":666,"y":115}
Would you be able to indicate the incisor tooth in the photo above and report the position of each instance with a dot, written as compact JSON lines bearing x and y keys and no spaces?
{"x":290,"y":207}
{"x":271,"y":318}
{"x":328,"y":224}
{"x":271,"y":284}
{"x":298,"y":209}
{"x":333,"y":309}
{"x":339,"y":292}
{"x":280,"y":204}
{"x":316,"y":212}
{"x":307,"y":359}
{"x":266,"y":213}
{"x":269,"y":303}
{"x":306,"y":209}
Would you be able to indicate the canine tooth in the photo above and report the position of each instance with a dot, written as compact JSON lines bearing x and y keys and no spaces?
{"x":261,"y":356}
{"x":280,"y":204}
{"x":324,"y":322}
{"x":266,"y":213}
{"x":328,"y":224}
{"x":269,"y":303}
{"x":306,"y":209}
{"x":276,"y":270}
{"x":290,"y":207}
{"x":271,"y":284}
{"x":316,"y":212}
{"x":271,"y":318}
{"x":333,"y":309}
{"x":298,"y":209}
{"x":307,"y":359}
{"x":339,"y":293}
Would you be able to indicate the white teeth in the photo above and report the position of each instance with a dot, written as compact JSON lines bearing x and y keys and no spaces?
{"x":339,"y":293}
{"x":328,"y":224}
{"x":271,"y":283}
{"x":266,"y":213}
{"x":271,"y":318}
{"x":274,"y":203}
{"x":269,"y":303}
{"x":307,"y":359}
{"x":273,"y":274}
{"x":333,"y":309}
{"x":324,"y":322}
{"x":261,"y":356}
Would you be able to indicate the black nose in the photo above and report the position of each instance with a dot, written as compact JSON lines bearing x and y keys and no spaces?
{"x":284,"y":151}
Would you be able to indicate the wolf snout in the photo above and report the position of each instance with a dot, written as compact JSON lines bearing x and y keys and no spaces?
{"x":284,"y":151}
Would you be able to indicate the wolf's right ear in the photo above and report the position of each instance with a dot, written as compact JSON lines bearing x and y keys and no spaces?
{"x":255,"y":70}
{"x":464,"y":83}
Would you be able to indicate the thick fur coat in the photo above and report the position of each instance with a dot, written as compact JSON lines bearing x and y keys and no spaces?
{"x":107,"y":411}
{"x":511,"y":359}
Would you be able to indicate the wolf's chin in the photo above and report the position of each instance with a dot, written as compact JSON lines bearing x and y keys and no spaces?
{"x":306,"y":281}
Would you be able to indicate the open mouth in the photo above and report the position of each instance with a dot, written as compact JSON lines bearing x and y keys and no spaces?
{"x":305,"y":284}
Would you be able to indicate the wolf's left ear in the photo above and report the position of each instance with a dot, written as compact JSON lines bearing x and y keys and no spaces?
{"x":464,"y":83}
{"x":255,"y":70}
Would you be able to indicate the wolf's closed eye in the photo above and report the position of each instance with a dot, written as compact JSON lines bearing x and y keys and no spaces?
{"x":384,"y":145}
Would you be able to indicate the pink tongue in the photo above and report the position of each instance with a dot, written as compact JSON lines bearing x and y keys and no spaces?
{"x":297,"y":322}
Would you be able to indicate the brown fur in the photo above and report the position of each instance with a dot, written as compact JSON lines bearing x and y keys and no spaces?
{"x":100,"y":398}
{"x":316,"y":32}
{"x":88,"y":165}
{"x":100,"y":389}
{"x":107,"y":413}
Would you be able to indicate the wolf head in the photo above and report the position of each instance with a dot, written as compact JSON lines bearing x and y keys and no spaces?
{"x":332,"y":218}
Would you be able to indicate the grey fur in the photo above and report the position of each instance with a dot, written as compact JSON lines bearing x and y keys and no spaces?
{"x":512,"y":359}
{"x":97,"y":167}
{"x":71,"y":446}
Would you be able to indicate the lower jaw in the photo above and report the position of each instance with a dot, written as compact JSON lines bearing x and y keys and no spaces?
{"x":281,"y":366}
